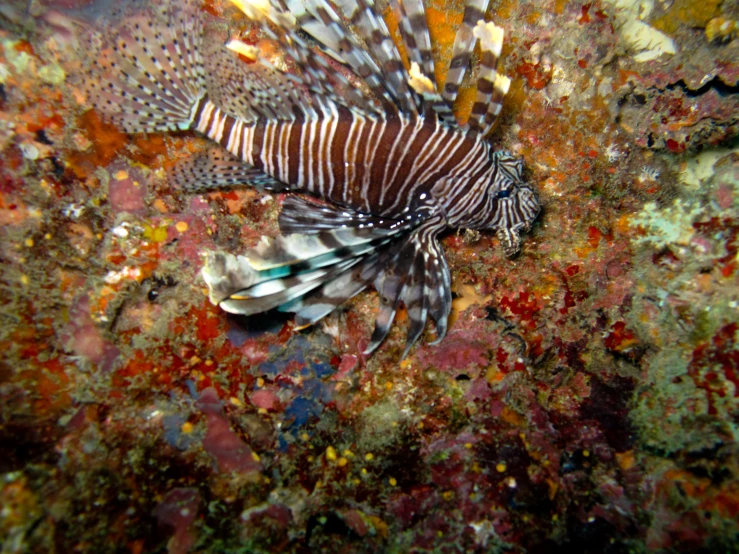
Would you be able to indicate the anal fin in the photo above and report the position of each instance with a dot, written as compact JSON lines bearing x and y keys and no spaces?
{"x":309,"y":216}
{"x":217,"y":169}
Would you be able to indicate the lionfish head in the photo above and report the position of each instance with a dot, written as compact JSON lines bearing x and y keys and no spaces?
{"x":514,"y":204}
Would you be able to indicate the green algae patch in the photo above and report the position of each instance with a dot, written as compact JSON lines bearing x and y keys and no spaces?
{"x":381,"y":426}
{"x":156,"y":234}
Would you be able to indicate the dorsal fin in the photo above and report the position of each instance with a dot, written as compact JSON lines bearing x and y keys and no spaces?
{"x":491,"y":42}
{"x":250,"y":91}
{"x":464,"y":44}
{"x":371,"y":25}
{"x":414,"y":31}
{"x":316,"y":74}
{"x":318,"y":19}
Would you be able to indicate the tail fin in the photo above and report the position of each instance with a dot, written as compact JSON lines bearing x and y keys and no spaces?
{"x":146,"y":73}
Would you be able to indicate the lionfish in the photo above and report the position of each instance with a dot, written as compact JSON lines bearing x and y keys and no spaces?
{"x":377,"y":159}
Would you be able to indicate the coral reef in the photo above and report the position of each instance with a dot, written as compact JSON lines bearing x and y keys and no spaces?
{"x":585,"y":398}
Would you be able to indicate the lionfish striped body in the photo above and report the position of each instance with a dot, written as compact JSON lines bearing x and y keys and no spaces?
{"x":378,"y":175}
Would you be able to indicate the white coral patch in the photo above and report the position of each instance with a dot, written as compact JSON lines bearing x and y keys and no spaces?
{"x":490,"y":36}
{"x":648,"y":174}
{"x":254,"y":9}
{"x":647,"y":42}
{"x":613,"y":153}
{"x":699,"y":168}
{"x":420,"y":82}
{"x":246,"y":50}
{"x":667,"y":226}
{"x":127,"y":273}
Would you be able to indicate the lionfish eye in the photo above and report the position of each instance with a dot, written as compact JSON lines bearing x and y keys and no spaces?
{"x":505,"y":193}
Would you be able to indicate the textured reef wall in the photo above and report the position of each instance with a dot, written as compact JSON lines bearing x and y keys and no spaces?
{"x":585,"y":398}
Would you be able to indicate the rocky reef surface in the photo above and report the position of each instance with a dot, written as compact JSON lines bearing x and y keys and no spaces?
{"x":585,"y":398}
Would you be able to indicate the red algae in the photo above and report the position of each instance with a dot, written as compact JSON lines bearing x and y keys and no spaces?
{"x":178,"y":510}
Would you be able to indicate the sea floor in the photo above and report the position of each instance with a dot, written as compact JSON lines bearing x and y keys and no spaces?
{"x":586,"y":398}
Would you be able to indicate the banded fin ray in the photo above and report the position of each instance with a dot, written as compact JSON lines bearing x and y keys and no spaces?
{"x":414,"y":33}
{"x":464,"y":44}
{"x":420,"y":279}
{"x":490,"y":85}
{"x":316,"y":74}
{"x":299,"y":252}
{"x":320,"y":302}
{"x":308,"y":216}
{"x":364,"y":16}
{"x":279,"y":271}
{"x":318,"y":19}
{"x":411,"y":269}
{"x":311,"y":275}
{"x":275,"y":293}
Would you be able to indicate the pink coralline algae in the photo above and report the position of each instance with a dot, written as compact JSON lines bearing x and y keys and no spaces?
{"x":231,"y":453}
{"x":178,"y":510}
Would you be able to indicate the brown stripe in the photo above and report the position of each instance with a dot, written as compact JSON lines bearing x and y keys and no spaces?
{"x":484,"y":86}
{"x":304,"y":155}
{"x":199,"y":110}
{"x":256,"y":146}
{"x":293,"y":151}
{"x":472,"y":15}
{"x":277,"y":151}
{"x":209,"y":124}
{"x":361,"y":160}
{"x":315,"y":161}
{"x":479,"y":108}
{"x":227,"y":129}
{"x":488,"y":59}
{"x":338,"y":161}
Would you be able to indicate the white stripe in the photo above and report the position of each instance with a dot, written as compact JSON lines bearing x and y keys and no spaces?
{"x":266,"y":153}
{"x":329,"y":140}
{"x":220,"y":125}
{"x":285,"y":157}
{"x":368,"y":159}
{"x":301,"y":156}
{"x":355,"y":128}
{"x":233,"y":139}
{"x":322,"y":169}
{"x":247,"y":144}
{"x":204,"y":117}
